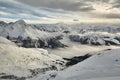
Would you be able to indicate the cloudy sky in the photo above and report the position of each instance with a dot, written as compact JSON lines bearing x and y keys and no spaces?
{"x":52,"y":11}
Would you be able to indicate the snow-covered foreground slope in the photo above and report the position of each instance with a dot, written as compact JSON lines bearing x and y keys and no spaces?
{"x":5,"y":41}
{"x":22,"y":62}
{"x":102,"y":66}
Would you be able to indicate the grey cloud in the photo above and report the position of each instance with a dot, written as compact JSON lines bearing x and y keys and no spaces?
{"x":15,"y":8}
{"x":69,"y":5}
{"x":115,"y":4}
{"x":104,"y":1}
{"x":106,"y":15}
{"x":112,"y":16}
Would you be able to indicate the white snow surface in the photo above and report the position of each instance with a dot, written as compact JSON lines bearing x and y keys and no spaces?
{"x":104,"y":65}
{"x":17,"y":60}
{"x":5,"y":41}
{"x":20,"y":28}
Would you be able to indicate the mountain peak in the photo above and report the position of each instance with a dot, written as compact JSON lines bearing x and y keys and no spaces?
{"x":2,"y":23}
{"x":20,"y":22}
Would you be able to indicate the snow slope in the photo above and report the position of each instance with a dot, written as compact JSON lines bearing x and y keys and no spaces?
{"x":6,"y":41}
{"x":104,"y":65}
{"x":18,"y":61}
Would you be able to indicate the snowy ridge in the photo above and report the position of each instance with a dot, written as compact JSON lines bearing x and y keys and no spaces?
{"x":20,"y":28}
{"x":111,"y":28}
{"x":96,"y":38}
{"x":102,"y":66}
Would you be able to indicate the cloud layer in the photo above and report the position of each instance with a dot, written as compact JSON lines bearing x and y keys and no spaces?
{"x":59,"y":10}
{"x":10,"y":9}
{"x":70,"y":5}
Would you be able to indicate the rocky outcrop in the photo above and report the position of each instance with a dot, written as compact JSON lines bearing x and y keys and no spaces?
{"x":95,"y":39}
{"x":75,"y":60}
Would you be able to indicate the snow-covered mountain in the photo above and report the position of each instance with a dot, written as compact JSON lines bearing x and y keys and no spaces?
{"x":17,"y":62}
{"x":104,"y":65}
{"x":96,"y":38}
{"x":22,"y":55}
{"x":20,"y":32}
{"x":93,"y":33}
{"x":20,"y":28}
{"x":111,"y":28}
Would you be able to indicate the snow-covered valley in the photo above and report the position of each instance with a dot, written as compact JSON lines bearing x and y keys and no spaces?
{"x":39,"y":51}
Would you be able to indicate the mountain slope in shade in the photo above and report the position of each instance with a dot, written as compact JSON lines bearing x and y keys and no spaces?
{"x":102,"y":66}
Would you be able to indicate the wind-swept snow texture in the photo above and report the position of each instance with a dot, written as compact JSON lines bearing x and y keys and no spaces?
{"x":20,"y":61}
{"x":102,"y":66}
{"x":5,"y":41}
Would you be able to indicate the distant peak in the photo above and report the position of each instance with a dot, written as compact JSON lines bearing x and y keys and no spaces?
{"x":20,"y":22}
{"x":3,"y":23}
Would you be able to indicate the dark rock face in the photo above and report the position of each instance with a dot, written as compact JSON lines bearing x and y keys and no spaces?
{"x":110,"y":43}
{"x":75,"y":38}
{"x":8,"y":77}
{"x":2,"y":23}
{"x":117,"y":38}
{"x":76,"y":60}
{"x":54,"y":43}
{"x":34,"y":72}
{"x":95,"y":40}
{"x":38,"y":43}
{"x":85,"y":39}
{"x":11,"y":77}
{"x":66,"y":32}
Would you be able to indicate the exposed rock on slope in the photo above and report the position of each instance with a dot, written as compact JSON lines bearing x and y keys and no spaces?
{"x":95,"y":38}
